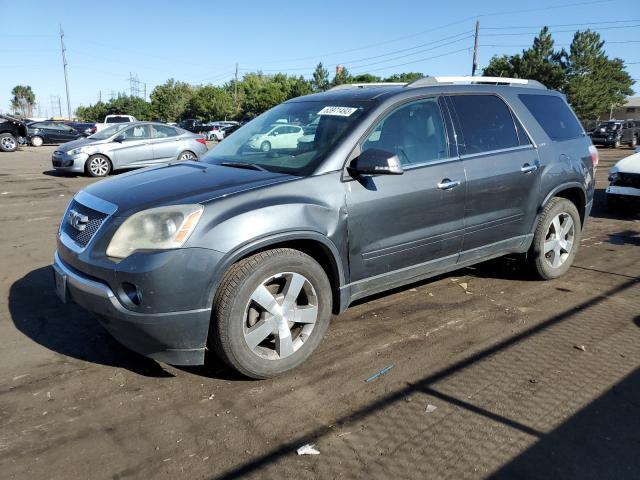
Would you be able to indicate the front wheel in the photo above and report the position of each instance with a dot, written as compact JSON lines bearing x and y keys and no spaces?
{"x":634,"y":142}
{"x":270,"y":312}
{"x":8,"y":142}
{"x":37,"y":141}
{"x":265,"y":147}
{"x":98,"y":166}
{"x":617,"y":144}
{"x":556,"y":239}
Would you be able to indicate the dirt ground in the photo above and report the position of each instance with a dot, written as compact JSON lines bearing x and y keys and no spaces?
{"x":528,"y":379}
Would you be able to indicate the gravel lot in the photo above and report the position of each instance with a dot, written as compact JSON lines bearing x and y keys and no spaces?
{"x":529,"y":379}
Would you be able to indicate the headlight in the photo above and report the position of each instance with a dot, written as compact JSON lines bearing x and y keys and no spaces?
{"x":75,"y":151}
{"x":155,"y":229}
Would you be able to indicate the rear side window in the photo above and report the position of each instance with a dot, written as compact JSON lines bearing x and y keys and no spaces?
{"x":553,"y":115}
{"x":163,"y":131}
{"x":486,"y":123}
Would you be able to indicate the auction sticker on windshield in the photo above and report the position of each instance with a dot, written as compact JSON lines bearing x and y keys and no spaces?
{"x":337,"y":111}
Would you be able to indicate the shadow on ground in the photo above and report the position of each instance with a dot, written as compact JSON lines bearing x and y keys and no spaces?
{"x":67,"y":329}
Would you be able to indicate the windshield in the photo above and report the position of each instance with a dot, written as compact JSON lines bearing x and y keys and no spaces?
{"x":108,"y":132}
{"x":290,"y":138}
{"x":609,"y":126}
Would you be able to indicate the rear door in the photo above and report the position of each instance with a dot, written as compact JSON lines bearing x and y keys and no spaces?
{"x":502,"y":173}
{"x":166,"y":143}
{"x":401,"y":226}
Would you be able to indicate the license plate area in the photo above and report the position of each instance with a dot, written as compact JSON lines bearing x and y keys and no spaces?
{"x":60,"y":285}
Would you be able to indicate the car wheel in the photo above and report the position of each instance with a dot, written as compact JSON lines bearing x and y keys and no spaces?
{"x":556,"y":239}
{"x":8,"y":142}
{"x":265,"y":147}
{"x":617,"y":144}
{"x":270,"y":312}
{"x":37,"y":141}
{"x":187,"y":155}
{"x":634,"y":142}
{"x":98,"y":166}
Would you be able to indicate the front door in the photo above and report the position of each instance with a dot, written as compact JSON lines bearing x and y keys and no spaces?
{"x":402,"y":226}
{"x":502,"y":171}
{"x":135,"y":150}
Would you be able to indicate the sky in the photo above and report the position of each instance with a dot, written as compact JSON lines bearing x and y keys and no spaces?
{"x":200,"y":41}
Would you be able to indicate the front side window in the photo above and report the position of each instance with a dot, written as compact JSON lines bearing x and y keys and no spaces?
{"x":414,"y":132}
{"x":307,"y":132}
{"x":486,"y":122}
{"x":139,"y":132}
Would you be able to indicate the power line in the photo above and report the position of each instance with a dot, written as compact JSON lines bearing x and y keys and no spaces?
{"x":563,"y":24}
{"x":515,"y":34}
{"x":417,"y":61}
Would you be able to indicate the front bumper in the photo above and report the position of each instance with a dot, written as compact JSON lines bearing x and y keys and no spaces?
{"x":69,"y":163}
{"x":623,"y":193}
{"x":604,"y":141}
{"x":177,"y":338}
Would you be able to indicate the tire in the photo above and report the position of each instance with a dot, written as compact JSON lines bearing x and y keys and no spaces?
{"x":617,"y":144}
{"x":239,"y":322}
{"x":8,"y":142}
{"x":265,"y":147}
{"x":634,"y":142}
{"x":559,"y":255}
{"x":186,"y":156}
{"x":36,"y":141}
{"x":98,"y":166}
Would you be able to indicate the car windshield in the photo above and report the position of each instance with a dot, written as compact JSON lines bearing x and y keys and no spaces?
{"x":280,"y":139}
{"x":108,"y":132}
{"x":610,"y":125}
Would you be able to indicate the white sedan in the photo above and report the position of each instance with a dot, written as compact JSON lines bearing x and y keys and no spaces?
{"x":624,"y":178}
{"x":277,"y":137}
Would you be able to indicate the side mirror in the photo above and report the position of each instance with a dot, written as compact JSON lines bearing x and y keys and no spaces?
{"x":376,"y":162}
{"x":120,"y":138}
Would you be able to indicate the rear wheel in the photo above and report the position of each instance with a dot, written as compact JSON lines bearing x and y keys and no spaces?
{"x":555,"y":242}
{"x":8,"y":142}
{"x":98,"y":166}
{"x":270,"y":312}
{"x":187,"y":155}
{"x":37,"y":141}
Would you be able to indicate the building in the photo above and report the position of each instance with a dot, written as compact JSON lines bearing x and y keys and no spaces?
{"x":630,"y":110}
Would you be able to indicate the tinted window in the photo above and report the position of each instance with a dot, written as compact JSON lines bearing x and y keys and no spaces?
{"x":138,"y":132}
{"x":522,"y":135}
{"x":486,"y":123}
{"x":414,"y":132}
{"x":117,"y":119}
{"x":163,"y":131}
{"x":553,"y":115}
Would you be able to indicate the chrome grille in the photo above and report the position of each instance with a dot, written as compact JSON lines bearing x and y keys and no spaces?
{"x":628,"y":180}
{"x":95,"y":219}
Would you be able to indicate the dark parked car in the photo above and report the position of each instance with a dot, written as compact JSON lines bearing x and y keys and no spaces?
{"x":88,"y":128}
{"x":616,"y":133}
{"x":41,"y":133}
{"x":12,"y":133}
{"x":249,"y":252}
{"x":194,"y":126}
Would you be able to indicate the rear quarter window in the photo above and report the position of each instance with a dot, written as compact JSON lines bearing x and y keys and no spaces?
{"x":554,"y":116}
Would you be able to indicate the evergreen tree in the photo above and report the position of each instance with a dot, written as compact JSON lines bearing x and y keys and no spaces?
{"x":320,"y":78}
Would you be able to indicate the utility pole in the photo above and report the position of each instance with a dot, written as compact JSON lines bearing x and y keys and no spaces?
{"x":235,"y":90}
{"x":64,"y":63}
{"x":145,"y":91}
{"x":475,"y":49}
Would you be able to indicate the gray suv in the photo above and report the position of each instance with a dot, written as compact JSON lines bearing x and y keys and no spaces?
{"x":248,"y":253}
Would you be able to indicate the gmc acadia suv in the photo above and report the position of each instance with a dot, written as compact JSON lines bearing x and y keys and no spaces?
{"x":248,"y":252}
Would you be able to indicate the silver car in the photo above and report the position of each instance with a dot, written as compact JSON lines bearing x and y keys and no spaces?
{"x":128,"y":145}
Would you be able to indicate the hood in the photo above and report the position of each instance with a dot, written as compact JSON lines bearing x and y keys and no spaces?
{"x":180,"y":183}
{"x":81,"y":142}
{"x":630,"y":164}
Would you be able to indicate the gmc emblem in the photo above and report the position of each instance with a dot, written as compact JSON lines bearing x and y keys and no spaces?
{"x":77,"y":220}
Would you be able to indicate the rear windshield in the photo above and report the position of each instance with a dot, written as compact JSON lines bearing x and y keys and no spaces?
{"x":117,"y":120}
{"x":554,"y":116}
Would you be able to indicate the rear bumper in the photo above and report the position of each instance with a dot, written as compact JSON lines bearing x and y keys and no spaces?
{"x":177,"y":338}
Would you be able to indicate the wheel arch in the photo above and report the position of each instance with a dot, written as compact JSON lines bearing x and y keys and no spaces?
{"x":102,"y":155}
{"x":314,"y":244}
{"x":574,"y":192}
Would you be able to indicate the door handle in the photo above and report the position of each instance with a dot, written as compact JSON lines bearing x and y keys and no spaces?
{"x":526,"y":168}
{"x":447,"y":184}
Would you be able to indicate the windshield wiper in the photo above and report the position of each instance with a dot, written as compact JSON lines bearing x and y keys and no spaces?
{"x":247,"y":165}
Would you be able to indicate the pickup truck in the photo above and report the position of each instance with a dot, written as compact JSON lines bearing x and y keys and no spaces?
{"x":109,"y":120}
{"x":616,"y":133}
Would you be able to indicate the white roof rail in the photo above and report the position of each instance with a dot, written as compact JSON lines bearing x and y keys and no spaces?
{"x":430,"y":81}
{"x":347,"y":86}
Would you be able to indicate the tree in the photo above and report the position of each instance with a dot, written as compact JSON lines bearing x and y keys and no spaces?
{"x":404,"y":77}
{"x":210,"y":103}
{"x":169,"y":100}
{"x":595,"y":83}
{"x":320,"y":79}
{"x":364,"y":78}
{"x":23,"y":100}
{"x":341,"y":77}
{"x":123,"y":104}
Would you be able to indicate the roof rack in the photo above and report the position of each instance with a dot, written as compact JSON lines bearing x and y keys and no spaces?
{"x":431,"y":81}
{"x":348,"y":86}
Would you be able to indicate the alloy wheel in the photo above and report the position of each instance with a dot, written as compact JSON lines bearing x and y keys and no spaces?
{"x":280,"y":315}
{"x":8,"y":143}
{"x":187,"y":156}
{"x":558,"y":242}
{"x":99,"y":166}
